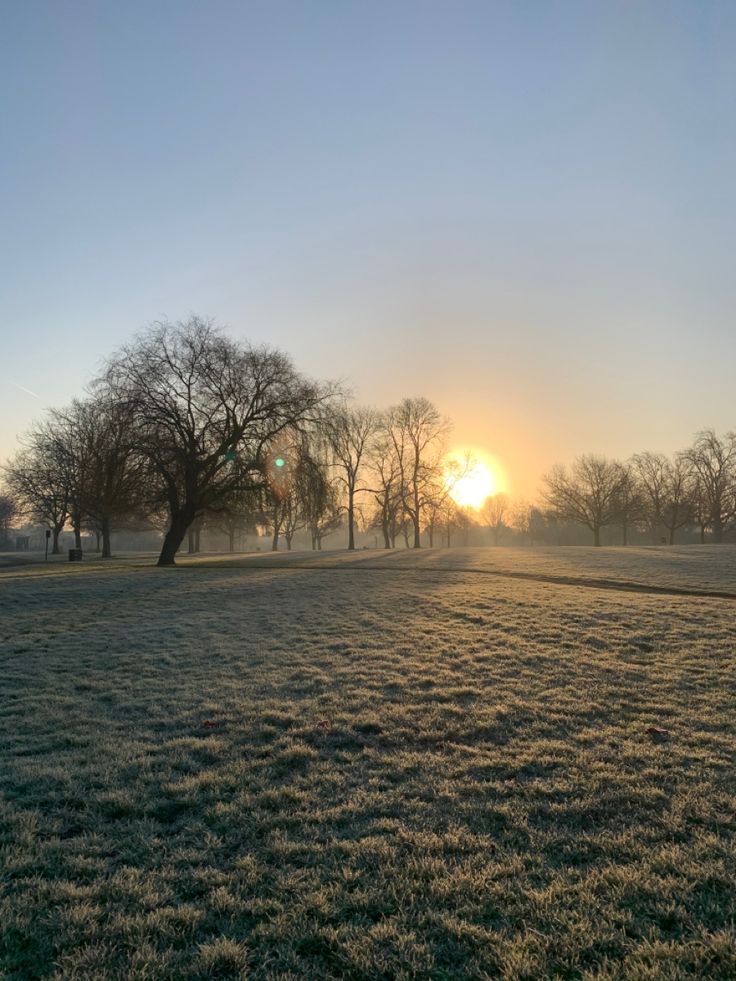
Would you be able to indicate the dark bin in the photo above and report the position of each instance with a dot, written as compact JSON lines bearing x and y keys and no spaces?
{"x":75,"y":555}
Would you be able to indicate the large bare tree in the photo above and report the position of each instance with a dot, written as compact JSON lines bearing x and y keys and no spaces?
{"x":587,"y":492}
{"x":206,"y":410}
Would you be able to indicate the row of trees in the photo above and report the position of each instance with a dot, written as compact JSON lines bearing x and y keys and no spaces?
{"x":186,"y":426}
{"x":696,"y":488}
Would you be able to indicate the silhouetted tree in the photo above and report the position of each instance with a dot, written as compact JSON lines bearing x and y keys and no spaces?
{"x":493,"y":514}
{"x":205,"y":409}
{"x":588,"y":492}
{"x":677,"y":511}
{"x":39,"y":485}
{"x":8,"y":509}
{"x":628,"y":503}
{"x":349,"y":433}
{"x":385,"y":477}
{"x":712,"y":460}
{"x":652,"y":472}
{"x":417,"y":431}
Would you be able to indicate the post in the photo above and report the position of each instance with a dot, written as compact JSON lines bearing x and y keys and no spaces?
{"x":48,"y":535}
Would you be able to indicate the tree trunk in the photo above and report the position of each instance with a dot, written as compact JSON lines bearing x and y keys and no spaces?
{"x":717,"y":529}
{"x":351,"y":519}
{"x":231,"y":538}
{"x":417,"y":541}
{"x":106,"y":549}
{"x":386,"y":534}
{"x":702,"y":534}
{"x":77,"y":524}
{"x":288,"y":536}
{"x":55,"y":550}
{"x":625,"y":533}
{"x":597,"y":537}
{"x":174,"y":537}
{"x":672,"y":536}
{"x":431,"y":536}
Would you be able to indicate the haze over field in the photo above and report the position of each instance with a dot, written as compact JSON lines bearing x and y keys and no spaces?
{"x":522,"y":211}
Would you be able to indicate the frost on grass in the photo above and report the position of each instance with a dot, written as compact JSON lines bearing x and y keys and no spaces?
{"x":338,"y":772}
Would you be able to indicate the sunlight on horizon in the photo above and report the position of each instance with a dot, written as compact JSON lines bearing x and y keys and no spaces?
{"x":473,"y":476}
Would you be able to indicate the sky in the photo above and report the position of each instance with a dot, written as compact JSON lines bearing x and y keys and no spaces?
{"x":521,"y":210}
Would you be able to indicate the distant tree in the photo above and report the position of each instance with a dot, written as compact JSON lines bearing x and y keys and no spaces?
{"x":8,"y":510}
{"x":628,"y":501}
{"x":417,"y":431}
{"x":493,"y":514}
{"x":587,"y":493}
{"x":712,"y":462}
{"x":108,"y":478}
{"x":385,"y":480}
{"x":653,"y":472}
{"x":678,"y":511}
{"x":39,"y":486}
{"x":205,"y":410}
{"x":238,"y":516}
{"x":450,"y":519}
{"x":349,"y":432}
{"x":317,"y":496}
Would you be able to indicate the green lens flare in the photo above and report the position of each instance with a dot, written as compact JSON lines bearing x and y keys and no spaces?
{"x":280,"y":462}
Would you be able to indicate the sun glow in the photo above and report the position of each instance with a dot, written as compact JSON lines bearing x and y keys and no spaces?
{"x":472,"y":477}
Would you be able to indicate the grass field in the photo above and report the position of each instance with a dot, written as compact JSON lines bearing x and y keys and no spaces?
{"x":436,"y":765}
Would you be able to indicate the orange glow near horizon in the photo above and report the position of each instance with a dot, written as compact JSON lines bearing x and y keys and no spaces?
{"x":473,"y":476}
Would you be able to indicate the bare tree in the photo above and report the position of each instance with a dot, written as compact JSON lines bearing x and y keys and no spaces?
{"x":587,"y":493}
{"x":418,"y":432}
{"x":317,"y":496}
{"x":206,"y":409}
{"x":520,"y":518}
{"x":677,"y":511}
{"x":39,"y":486}
{"x":493,"y":514}
{"x":8,"y":510}
{"x":712,"y":460}
{"x":385,"y":477}
{"x":349,"y":434}
{"x":628,"y":501}
{"x":96,"y":441}
{"x":653,"y":473}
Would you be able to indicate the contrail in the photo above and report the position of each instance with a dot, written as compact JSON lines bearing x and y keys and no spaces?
{"x":26,"y":390}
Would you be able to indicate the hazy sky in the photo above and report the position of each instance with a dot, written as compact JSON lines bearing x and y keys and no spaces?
{"x":524,"y":210}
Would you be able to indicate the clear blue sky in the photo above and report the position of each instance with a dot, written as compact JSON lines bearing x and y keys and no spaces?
{"x":523,"y":210}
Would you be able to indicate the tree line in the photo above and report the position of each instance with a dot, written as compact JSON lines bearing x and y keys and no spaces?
{"x":696,"y":488}
{"x":187,"y":429}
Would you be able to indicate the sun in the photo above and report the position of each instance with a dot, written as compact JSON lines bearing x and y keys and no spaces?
{"x":472,"y":476}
